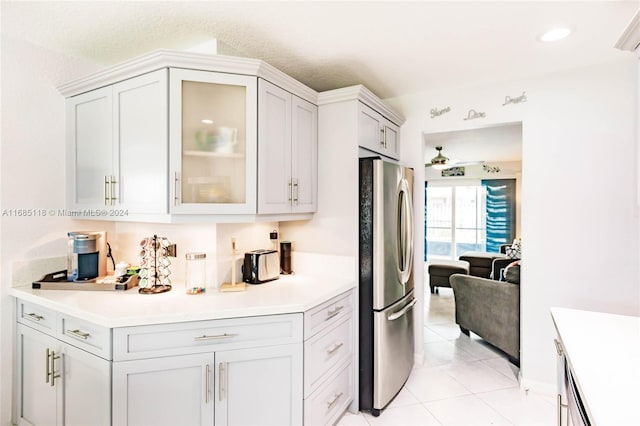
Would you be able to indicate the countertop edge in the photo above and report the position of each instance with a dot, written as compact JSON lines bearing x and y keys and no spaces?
{"x":300,"y":305}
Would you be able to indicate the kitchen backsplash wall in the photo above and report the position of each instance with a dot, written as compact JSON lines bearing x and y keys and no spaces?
{"x":212,"y":239}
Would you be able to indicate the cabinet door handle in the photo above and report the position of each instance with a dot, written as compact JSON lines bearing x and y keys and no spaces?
{"x":335,"y":348}
{"x":79,"y":334}
{"x":113,"y":190}
{"x":34,"y":317}
{"x":382,"y":137}
{"x":47,"y":366}
{"x":295,"y":187}
{"x":215,"y":337}
{"x":107,"y":196}
{"x":335,"y":399}
{"x":333,"y":313}
{"x":221,"y":379}
{"x":51,"y":367}
{"x":558,"y":347}
{"x":290,"y":191}
{"x":176,"y":197}
{"x":207,"y":396}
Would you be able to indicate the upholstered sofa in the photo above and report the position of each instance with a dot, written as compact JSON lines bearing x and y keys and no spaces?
{"x":480,"y":262}
{"x":490,"y":309}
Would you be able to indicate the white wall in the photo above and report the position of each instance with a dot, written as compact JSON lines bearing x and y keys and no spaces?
{"x":32,"y":174}
{"x":579,"y":214}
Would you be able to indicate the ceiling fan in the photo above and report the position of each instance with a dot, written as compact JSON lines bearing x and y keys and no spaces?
{"x":440,"y":162}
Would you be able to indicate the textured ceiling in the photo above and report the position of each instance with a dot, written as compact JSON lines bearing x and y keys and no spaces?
{"x":393,"y":48}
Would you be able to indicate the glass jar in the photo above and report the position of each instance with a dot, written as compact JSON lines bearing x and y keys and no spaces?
{"x":196,"y":276}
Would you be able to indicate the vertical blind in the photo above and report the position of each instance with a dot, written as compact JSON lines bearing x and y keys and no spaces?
{"x":501,"y":212}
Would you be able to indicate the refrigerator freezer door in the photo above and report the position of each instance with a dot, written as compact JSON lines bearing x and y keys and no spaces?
{"x":393,"y":233}
{"x":393,"y":349}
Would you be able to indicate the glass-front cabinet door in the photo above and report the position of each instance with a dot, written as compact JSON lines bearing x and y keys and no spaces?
{"x":213,"y":142}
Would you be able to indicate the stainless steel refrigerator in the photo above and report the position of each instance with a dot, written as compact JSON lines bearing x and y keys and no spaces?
{"x":386,"y":281}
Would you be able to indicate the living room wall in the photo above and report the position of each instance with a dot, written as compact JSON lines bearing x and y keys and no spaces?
{"x":579,"y":213}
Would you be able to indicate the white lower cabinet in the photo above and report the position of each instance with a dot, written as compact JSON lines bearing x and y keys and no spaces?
{"x":168,"y":391}
{"x":235,"y":387}
{"x":237,"y":371}
{"x":259,"y":386}
{"x":60,"y":384}
{"x":285,"y":369}
{"x":328,"y":360}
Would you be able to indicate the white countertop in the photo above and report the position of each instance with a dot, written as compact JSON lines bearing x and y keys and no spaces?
{"x":288,"y":294}
{"x":603,"y":352}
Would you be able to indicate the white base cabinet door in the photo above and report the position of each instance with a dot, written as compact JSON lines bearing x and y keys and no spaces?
{"x":59,"y":384}
{"x":164,"y":391}
{"x":37,"y":399}
{"x":259,"y":386}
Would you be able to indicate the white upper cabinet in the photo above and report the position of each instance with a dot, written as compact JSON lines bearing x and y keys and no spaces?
{"x":287,"y":152}
{"x":304,"y":156}
{"x":376,"y":133}
{"x":140,"y":112}
{"x":117,"y":146}
{"x":184,"y":137}
{"x":213,"y":142}
{"x":90,"y":149}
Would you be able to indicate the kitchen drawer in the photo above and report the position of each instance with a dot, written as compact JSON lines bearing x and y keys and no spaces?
{"x":325,"y":352}
{"x":327,"y":314}
{"x":85,"y":335}
{"x":36,"y":316}
{"x":205,"y":336}
{"x":328,"y":403}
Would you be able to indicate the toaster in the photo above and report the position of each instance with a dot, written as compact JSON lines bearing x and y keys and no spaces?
{"x":260,"y":266}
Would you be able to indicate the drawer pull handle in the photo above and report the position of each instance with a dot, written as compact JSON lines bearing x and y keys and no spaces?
{"x":335,"y":348}
{"x":215,"y":337}
{"x":79,"y":334}
{"x":335,"y":399}
{"x":333,"y":313}
{"x":34,"y":317}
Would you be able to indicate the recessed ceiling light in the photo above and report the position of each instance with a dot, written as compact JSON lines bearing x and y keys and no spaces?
{"x":554,"y":34}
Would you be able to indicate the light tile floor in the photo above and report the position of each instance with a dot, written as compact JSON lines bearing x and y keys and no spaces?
{"x":464,"y":381}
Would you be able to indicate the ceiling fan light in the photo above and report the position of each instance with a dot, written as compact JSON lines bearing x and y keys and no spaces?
{"x":439,"y":159}
{"x":439,"y":166}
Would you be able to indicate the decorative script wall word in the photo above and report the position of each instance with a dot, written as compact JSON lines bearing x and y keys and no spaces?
{"x":516,"y":100}
{"x":435,"y":112}
{"x":473,"y":114}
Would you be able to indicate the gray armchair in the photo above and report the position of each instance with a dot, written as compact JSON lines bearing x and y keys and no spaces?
{"x":491,"y":309}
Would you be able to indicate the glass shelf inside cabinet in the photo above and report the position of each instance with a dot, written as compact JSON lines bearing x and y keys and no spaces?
{"x":213,"y":143}
{"x":212,"y":154}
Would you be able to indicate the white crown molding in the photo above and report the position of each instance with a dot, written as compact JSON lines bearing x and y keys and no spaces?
{"x":362,"y":94}
{"x":163,"y":58}
{"x":630,"y":38}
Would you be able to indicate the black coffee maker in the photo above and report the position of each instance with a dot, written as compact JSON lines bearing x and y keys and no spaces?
{"x":86,"y":256}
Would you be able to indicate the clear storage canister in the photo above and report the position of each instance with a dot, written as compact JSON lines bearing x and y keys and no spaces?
{"x":196,"y":276}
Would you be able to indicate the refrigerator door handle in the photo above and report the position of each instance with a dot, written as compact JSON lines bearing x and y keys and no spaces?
{"x":394,"y":316}
{"x":405,"y":231}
